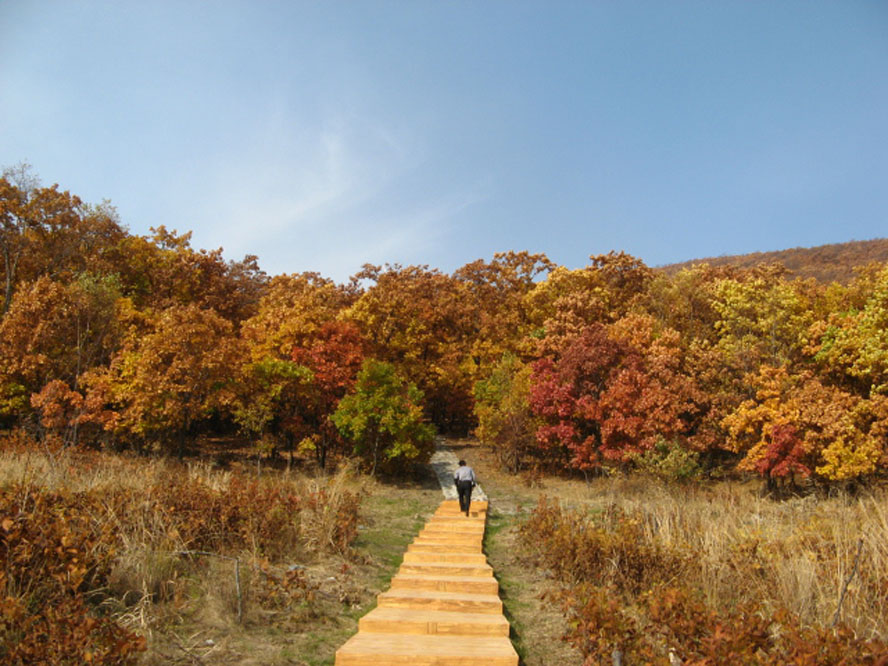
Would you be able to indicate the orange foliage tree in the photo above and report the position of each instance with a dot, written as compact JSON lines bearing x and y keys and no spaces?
{"x":181,"y":371}
{"x":55,"y":332}
{"x":420,"y":321}
{"x":796,"y":425}
{"x":496,"y":292}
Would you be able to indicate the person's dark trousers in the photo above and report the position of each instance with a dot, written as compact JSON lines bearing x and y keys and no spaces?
{"x":464,"y":490}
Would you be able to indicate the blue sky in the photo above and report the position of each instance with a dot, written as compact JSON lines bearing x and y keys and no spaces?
{"x":324,"y":135}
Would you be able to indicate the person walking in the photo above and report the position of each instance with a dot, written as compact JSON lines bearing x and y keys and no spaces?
{"x":464,"y":478}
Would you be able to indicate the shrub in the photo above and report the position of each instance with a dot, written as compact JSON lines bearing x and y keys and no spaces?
{"x":55,"y":547}
{"x":670,"y":461}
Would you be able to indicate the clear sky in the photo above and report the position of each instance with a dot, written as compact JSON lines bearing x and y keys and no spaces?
{"x":325,"y":135}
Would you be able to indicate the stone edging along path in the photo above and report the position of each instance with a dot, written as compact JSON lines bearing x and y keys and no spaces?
{"x":443,"y":606}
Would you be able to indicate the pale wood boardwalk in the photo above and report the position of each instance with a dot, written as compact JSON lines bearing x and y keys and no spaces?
{"x":443,"y":606}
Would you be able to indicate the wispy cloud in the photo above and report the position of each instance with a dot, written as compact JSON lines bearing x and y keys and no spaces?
{"x":413,"y":235}
{"x":328,"y":195}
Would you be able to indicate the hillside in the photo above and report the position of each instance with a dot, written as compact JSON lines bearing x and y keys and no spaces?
{"x":826,"y":263}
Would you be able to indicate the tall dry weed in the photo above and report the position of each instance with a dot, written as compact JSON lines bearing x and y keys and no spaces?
{"x":720,"y":576}
{"x":329,"y":522}
{"x":798,"y":554}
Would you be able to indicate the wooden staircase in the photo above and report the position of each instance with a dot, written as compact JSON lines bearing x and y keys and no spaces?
{"x":443,"y":606}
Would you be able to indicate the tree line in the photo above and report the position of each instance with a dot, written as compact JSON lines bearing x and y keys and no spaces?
{"x":124,"y":341}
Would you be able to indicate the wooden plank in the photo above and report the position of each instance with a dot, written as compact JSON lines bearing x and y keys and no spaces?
{"x":446,"y":569}
{"x":474,"y":514}
{"x":422,"y":546}
{"x":440,"y":537}
{"x":467,"y":584}
{"x":412,"y":621}
{"x":442,"y":601}
{"x":432,"y":650}
{"x":453,"y":505}
{"x":418,"y":556}
{"x":449,"y":537}
{"x":446,"y":524}
{"x":453,"y":510}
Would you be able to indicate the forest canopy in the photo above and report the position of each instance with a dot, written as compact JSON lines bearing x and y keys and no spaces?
{"x":110,"y":339}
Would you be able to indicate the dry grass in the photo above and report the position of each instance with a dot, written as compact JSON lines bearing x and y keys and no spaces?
{"x":795,"y":554}
{"x":300,"y":601}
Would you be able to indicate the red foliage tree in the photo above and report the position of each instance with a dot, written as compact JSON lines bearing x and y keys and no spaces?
{"x":612,"y":393}
{"x":784,"y":455}
{"x":566,"y":392}
{"x":334,"y":358}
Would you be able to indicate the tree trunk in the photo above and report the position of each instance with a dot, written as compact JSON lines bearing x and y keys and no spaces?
{"x":9,"y":266}
{"x":290,"y":446}
{"x":375,"y":453}
{"x":321,"y":452}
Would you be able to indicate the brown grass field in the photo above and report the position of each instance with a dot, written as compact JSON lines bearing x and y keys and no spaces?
{"x":312,"y":550}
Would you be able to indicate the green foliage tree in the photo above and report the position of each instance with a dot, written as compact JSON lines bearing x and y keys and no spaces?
{"x":383,"y":418}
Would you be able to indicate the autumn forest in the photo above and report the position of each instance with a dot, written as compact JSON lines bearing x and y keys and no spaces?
{"x":128,"y":342}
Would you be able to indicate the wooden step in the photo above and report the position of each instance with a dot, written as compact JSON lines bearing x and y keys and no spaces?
{"x":455,"y":524}
{"x":422,"y":556}
{"x":456,"y":514}
{"x":474,"y":514}
{"x":453,"y":510}
{"x":446,"y":569}
{"x":441,"y":547}
{"x":460,"y":516}
{"x":439,"y":537}
{"x":467,"y":584}
{"x":458,"y":523}
{"x":449,"y":537}
{"x":418,"y":650}
{"x":412,"y":621}
{"x":476,"y":509}
{"x":441,"y":601}
{"x":453,"y":505}
{"x":447,"y":532}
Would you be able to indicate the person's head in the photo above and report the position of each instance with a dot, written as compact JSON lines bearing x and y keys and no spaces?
{"x":462,"y":463}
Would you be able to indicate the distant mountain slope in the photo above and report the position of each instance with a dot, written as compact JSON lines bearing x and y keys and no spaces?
{"x":827,"y":263}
